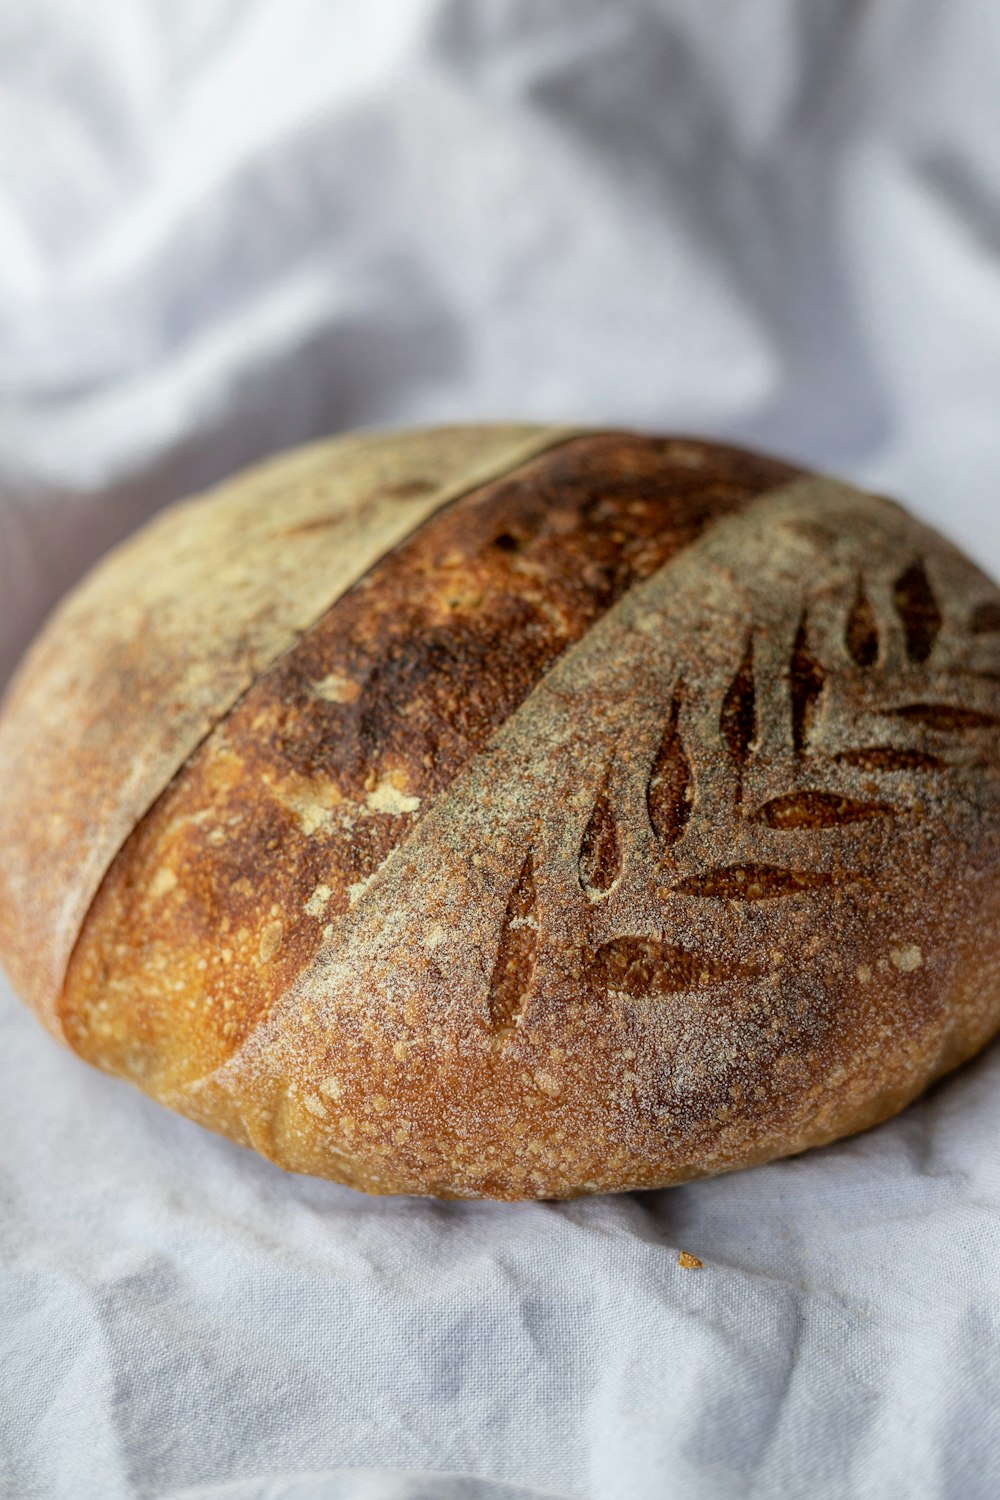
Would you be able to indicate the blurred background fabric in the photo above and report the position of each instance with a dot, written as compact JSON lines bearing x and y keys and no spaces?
{"x":227,"y":226}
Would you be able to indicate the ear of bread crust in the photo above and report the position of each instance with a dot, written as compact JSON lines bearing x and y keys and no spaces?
{"x":141,"y":660}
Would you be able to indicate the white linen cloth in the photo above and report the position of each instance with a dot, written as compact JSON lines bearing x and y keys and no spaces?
{"x":226,"y":227}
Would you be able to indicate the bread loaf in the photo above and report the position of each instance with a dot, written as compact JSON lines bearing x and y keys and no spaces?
{"x":514,"y":812}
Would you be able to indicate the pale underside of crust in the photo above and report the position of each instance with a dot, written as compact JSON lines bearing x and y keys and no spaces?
{"x":153,"y":649}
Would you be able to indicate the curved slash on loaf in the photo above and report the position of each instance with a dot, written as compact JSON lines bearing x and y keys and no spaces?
{"x":327,"y":764}
{"x":154,"y":649}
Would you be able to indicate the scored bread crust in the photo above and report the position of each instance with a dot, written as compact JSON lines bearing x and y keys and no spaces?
{"x":162,"y":638}
{"x":635,"y":818}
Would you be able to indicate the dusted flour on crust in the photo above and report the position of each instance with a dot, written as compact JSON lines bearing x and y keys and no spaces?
{"x":634,"y":816}
{"x":155,"y":647}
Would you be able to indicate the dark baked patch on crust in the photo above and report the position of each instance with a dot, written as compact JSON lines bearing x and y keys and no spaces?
{"x":807,"y":682}
{"x":862,"y":629}
{"x":919,"y":611}
{"x":330,"y":760}
{"x":945,"y":718}
{"x":890,"y":758}
{"x":516,"y":955}
{"x":818,"y":810}
{"x":985,"y":619}
{"x":600,"y":852}
{"x":646,"y":967}
{"x":670,"y":790}
{"x":753,"y":882}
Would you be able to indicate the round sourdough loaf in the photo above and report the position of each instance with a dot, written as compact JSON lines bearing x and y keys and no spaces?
{"x":514,"y":812}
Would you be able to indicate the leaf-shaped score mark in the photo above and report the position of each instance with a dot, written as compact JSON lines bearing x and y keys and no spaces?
{"x":671,"y":784}
{"x":862,"y":630}
{"x":919,"y":611}
{"x":516,"y":955}
{"x":944,"y":718}
{"x":758,"y":882}
{"x":600,"y":862}
{"x":985,"y":619}
{"x":645,"y":967}
{"x":807,"y":680}
{"x":738,"y":720}
{"x":889,"y":758}
{"x":818,"y":810}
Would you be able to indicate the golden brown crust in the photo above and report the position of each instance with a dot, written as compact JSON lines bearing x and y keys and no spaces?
{"x":159,"y":642}
{"x":289,"y":808}
{"x":657,"y":839}
{"x":765,"y":974}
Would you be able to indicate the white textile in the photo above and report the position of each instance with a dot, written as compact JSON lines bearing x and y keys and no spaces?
{"x":230,"y":225}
